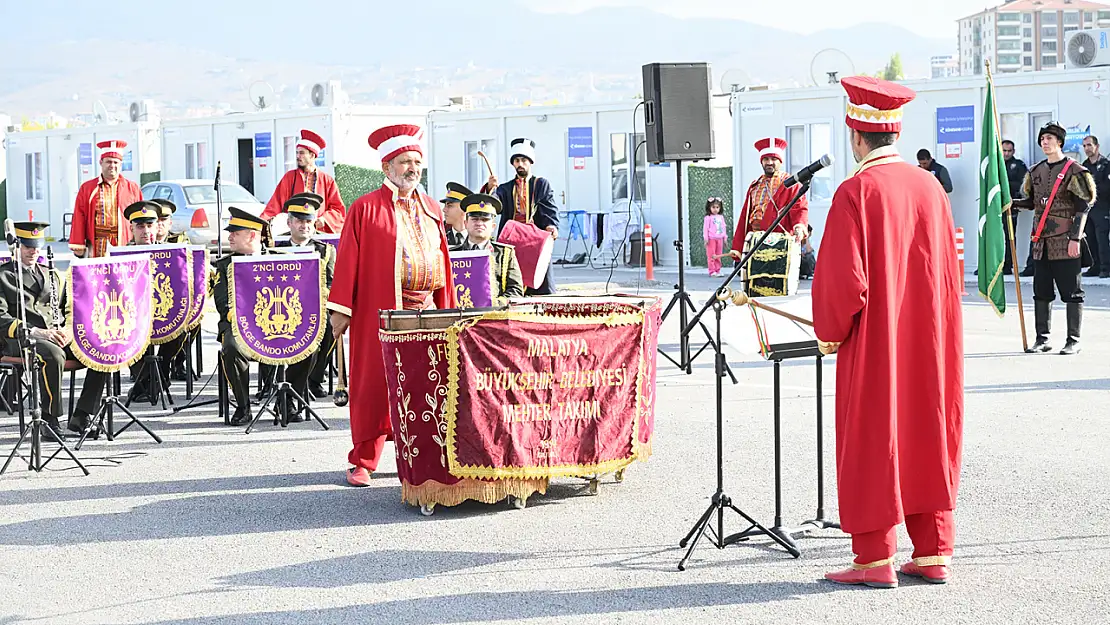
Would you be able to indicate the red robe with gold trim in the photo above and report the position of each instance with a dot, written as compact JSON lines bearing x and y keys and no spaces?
{"x":887,"y":287}
{"x":780,"y":197}
{"x":330,"y":217}
{"x":366,"y":281}
{"x":83,"y":230}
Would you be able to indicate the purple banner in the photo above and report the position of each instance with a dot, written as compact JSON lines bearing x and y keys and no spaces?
{"x":172,"y":287}
{"x":277,"y":306}
{"x":111,"y":319}
{"x":200,"y":286}
{"x":474,"y":279}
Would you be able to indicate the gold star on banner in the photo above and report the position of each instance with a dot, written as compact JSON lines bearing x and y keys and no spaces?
{"x":269,"y":278}
{"x":285,"y":278}
{"x":167,"y":265}
{"x":467,"y":275}
{"x":107,"y":283}
{"x":258,"y":278}
{"x":455,"y":276}
{"x":297,"y":278}
{"x":95,"y":284}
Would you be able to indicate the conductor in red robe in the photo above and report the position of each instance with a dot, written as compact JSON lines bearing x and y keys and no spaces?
{"x":887,"y":290}
{"x":767,"y":196}
{"x":98,"y":219}
{"x":306,"y":178}
{"x":393,"y":255}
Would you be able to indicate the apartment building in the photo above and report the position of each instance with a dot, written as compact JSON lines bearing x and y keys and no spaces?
{"x":1024,"y":35}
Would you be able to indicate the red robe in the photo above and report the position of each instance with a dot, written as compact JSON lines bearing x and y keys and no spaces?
{"x":780,"y":197}
{"x":83,"y":230}
{"x":330,"y":217}
{"x":887,"y":287}
{"x":366,"y":282}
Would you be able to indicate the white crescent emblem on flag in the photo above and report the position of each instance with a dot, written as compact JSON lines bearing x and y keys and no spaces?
{"x":982,"y":222}
{"x":983,"y":167}
{"x":995,"y":190}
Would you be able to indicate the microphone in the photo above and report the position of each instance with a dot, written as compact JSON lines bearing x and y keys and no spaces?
{"x":216,"y":187}
{"x":807,"y":172}
{"x":9,"y":231}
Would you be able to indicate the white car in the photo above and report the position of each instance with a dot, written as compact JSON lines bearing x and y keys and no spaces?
{"x":196,"y":208}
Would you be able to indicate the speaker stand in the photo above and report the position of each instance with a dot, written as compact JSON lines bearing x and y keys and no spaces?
{"x":682,"y":300}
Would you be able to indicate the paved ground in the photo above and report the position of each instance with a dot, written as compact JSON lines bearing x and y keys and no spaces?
{"x":214,"y":526}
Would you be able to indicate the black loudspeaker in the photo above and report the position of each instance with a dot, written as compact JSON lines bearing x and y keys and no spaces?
{"x":678,"y":117}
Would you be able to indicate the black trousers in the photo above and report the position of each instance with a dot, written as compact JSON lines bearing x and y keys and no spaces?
{"x":1098,"y":238}
{"x":237,"y":370}
{"x":53,"y":368}
{"x":1050,"y":276}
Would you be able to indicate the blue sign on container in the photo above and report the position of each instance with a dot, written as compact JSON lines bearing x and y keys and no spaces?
{"x":956,"y":124}
{"x":263,"y":145}
{"x":580,"y":142}
{"x":84,"y":154}
{"x":126,"y":161}
{"x":320,"y":159}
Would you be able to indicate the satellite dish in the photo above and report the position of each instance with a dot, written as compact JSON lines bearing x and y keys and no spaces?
{"x":734,"y":80}
{"x":317,"y":95}
{"x":261,"y":95}
{"x":134,"y":112}
{"x":100,"y":112}
{"x":829,"y":66}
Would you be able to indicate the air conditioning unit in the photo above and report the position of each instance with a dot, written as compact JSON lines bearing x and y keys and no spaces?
{"x":142,"y":111}
{"x":1087,"y":48}
{"x":465,"y":103}
{"x":327,"y":94}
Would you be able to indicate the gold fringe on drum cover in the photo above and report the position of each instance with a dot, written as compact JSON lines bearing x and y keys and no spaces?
{"x":483,"y":491}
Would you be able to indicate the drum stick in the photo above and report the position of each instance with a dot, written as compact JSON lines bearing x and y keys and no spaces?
{"x":488,"y":166}
{"x":341,"y":396}
{"x":740,"y":298}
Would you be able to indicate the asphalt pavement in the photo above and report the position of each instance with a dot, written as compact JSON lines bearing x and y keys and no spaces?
{"x":216,"y":526}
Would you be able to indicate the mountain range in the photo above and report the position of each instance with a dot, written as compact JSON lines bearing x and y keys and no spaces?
{"x":187,"y":57}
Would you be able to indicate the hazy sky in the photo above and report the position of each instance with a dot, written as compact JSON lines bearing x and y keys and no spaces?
{"x":931,"y":18}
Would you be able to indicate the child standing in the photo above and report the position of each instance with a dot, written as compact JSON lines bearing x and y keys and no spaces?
{"x":715,"y":232}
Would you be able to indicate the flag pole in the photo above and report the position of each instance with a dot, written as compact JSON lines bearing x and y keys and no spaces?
{"x":1009,"y":220}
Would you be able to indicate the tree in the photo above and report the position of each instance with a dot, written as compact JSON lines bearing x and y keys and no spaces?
{"x":893,"y":69}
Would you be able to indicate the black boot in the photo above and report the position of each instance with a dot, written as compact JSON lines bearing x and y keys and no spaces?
{"x":1042,"y":314}
{"x":1075,"y":321}
{"x":54,"y":425}
{"x":1028,"y":271}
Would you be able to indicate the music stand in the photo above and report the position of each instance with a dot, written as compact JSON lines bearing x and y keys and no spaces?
{"x":681,"y":299}
{"x":105,"y":415}
{"x":157,"y":388}
{"x":284,"y":392}
{"x":720,"y":501}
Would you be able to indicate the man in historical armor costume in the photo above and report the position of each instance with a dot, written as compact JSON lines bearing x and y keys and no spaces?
{"x":1061,"y":192}
{"x":481,"y":209}
{"x":393,"y":255}
{"x":98,"y":219}
{"x":307,"y":178}
{"x":244,"y":239}
{"x":767,"y":196}
{"x":52,"y":340}
{"x":527,"y":199}
{"x":886,"y":294}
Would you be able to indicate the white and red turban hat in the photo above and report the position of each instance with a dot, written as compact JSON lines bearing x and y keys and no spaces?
{"x":773,"y":147}
{"x":875,"y":105}
{"x":311,"y":142}
{"x":111,"y":149}
{"x":392,"y":141}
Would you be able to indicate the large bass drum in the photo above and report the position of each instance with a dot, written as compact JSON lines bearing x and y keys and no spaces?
{"x":773,"y":270}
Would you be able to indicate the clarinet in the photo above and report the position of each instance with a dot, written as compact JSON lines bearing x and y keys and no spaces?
{"x":55,"y":318}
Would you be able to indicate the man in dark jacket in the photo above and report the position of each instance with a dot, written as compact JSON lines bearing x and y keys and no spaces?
{"x":1098,"y":220}
{"x":940,"y":172}
{"x":1015,"y":175}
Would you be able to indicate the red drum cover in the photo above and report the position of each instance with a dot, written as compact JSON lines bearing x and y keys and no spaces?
{"x":533,"y":250}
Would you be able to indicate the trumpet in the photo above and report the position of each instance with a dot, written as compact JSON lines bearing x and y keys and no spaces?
{"x":341,"y":397}
{"x":56,"y":318}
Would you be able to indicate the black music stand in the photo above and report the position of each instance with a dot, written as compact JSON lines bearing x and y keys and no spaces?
{"x":720,"y":501}
{"x":105,"y":416}
{"x":777,"y":353}
{"x":283,"y":392}
{"x":157,"y":388}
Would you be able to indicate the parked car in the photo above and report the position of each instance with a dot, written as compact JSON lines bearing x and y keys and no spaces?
{"x":196,"y":208}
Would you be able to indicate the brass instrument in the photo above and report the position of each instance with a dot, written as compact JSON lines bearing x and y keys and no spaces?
{"x":56,"y":319}
{"x":341,"y":396}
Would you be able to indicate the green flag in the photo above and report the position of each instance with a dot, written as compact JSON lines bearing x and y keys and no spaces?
{"x":994,"y":197}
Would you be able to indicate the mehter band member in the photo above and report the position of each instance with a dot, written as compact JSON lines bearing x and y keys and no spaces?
{"x":393,"y":255}
{"x":767,"y":196}
{"x":98,"y":219}
{"x":887,"y":289}
{"x":1061,"y":192}
{"x":307,"y":178}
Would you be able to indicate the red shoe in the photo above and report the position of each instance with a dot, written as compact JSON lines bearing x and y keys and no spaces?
{"x":876,"y":575}
{"x":358,"y":476}
{"x":932,"y":573}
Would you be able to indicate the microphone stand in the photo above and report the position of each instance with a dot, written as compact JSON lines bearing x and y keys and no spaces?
{"x":720,"y":501}
{"x":32,"y":367}
{"x":219,"y":214}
